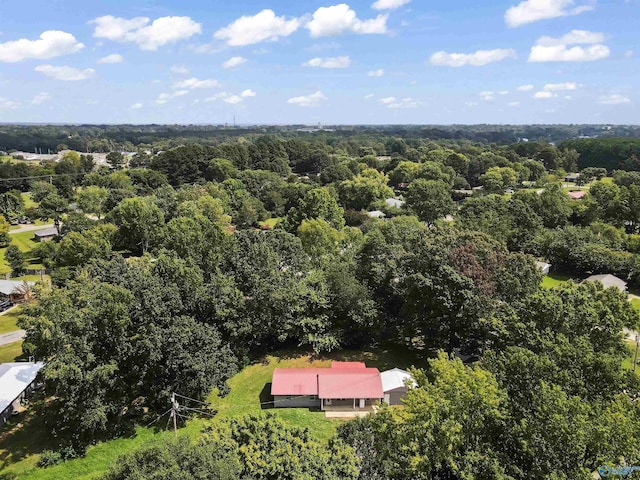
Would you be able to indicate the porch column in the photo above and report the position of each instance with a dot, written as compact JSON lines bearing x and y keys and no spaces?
{"x":354,"y":403}
{"x":322,"y":404}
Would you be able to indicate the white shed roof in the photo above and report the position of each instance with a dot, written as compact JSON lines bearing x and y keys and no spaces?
{"x":394,"y":202}
{"x":7,"y":287}
{"x":609,"y":281}
{"x":392,"y":379}
{"x":14,"y":379}
{"x":376,"y":214}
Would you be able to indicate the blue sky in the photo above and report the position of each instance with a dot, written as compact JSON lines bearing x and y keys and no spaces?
{"x":361,"y":62}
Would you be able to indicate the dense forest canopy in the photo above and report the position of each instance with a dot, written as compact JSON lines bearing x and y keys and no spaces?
{"x":175,"y":269}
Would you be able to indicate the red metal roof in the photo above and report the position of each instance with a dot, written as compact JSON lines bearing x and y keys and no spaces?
{"x":348,"y":365}
{"x":342,"y":380}
{"x":363,"y":384}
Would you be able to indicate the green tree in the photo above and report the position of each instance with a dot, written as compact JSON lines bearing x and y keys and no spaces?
{"x":318,"y":204}
{"x":429,"y":200}
{"x":115,"y":160}
{"x":139,"y":221}
{"x":364,"y":189}
{"x":92,"y":199}
{"x":4,"y":232}
{"x":16,"y":260}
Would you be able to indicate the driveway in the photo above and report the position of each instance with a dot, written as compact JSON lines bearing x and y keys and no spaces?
{"x":30,"y":228}
{"x":12,"y":337}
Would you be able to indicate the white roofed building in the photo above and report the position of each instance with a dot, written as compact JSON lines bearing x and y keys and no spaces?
{"x":16,"y":382}
{"x":395,"y":384}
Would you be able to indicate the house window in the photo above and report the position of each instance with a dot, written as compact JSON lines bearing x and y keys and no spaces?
{"x":314,"y":397}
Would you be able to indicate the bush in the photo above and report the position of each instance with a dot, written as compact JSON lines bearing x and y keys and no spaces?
{"x":49,"y":458}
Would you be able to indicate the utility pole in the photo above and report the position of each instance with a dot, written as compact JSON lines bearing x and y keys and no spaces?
{"x":635,"y":360}
{"x":174,"y":413}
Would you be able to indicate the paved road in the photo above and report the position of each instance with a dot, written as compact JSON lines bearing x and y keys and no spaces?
{"x":12,"y":337}
{"x":30,"y":228}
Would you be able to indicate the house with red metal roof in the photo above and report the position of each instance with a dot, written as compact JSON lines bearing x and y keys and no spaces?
{"x":344,"y":385}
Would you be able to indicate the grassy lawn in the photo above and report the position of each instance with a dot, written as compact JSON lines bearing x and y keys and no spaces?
{"x":271,"y":222}
{"x":25,"y":242}
{"x":628,"y":362}
{"x":8,"y":321}
{"x":20,"y":447}
{"x":11,"y":352}
{"x":554,"y":279}
{"x":636,"y":303}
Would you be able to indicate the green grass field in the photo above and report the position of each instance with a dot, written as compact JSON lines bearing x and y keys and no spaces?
{"x":636,"y":303}
{"x":554,"y":279}
{"x":8,"y":321}
{"x":10,"y":353}
{"x":25,"y":242}
{"x":20,"y":447}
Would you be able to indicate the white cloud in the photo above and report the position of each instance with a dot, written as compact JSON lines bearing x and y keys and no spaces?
{"x":555,"y":87}
{"x":113,"y":58}
{"x":309,"y":100}
{"x":530,"y":11}
{"x":179,"y":70}
{"x":248,"y":93}
{"x":628,"y":53}
{"x":233,"y":99}
{"x":163,"y":98}
{"x":248,"y":30}
{"x":549,"y":49}
{"x":574,"y":37}
{"x":148,"y":36}
{"x":65,"y":73}
{"x":503,"y":92}
{"x":488,"y":95}
{"x":339,"y":19}
{"x":389,"y":4}
{"x":6,"y":104}
{"x":194,"y":83}
{"x":51,"y":44}
{"x":544,"y":95}
{"x":137,"y":106}
{"x":394,"y":103}
{"x":513,"y":104}
{"x":40,"y":98}
{"x":369,"y":96}
{"x":563,"y":53}
{"x":217,"y":96}
{"x":477,"y":59}
{"x":331,"y":62}
{"x":526,"y":88}
{"x":234,"y":62}
{"x":613,"y":100}
{"x":180,"y":93}
{"x":376,"y":73}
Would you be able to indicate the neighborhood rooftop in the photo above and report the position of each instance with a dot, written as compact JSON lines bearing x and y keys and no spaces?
{"x":14,"y":379}
{"x":8,"y":287}
{"x":47,"y":232}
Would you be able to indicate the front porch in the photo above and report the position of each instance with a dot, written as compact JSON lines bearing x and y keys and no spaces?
{"x":348,"y":407}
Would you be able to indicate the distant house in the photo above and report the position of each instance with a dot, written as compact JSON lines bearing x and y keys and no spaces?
{"x":346,"y":385}
{"x":15,"y":291}
{"x":609,"y":281}
{"x":16,"y":383}
{"x":544,"y":267}
{"x":571,"y":177}
{"x":376,"y":214}
{"x":45,"y":235}
{"x":577,"y":195}
{"x":395,"y":384}
{"x":394,"y":202}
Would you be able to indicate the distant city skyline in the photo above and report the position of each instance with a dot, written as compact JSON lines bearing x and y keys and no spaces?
{"x":361,"y":62}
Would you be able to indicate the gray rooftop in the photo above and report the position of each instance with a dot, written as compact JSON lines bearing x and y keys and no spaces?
{"x":608,"y":281}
